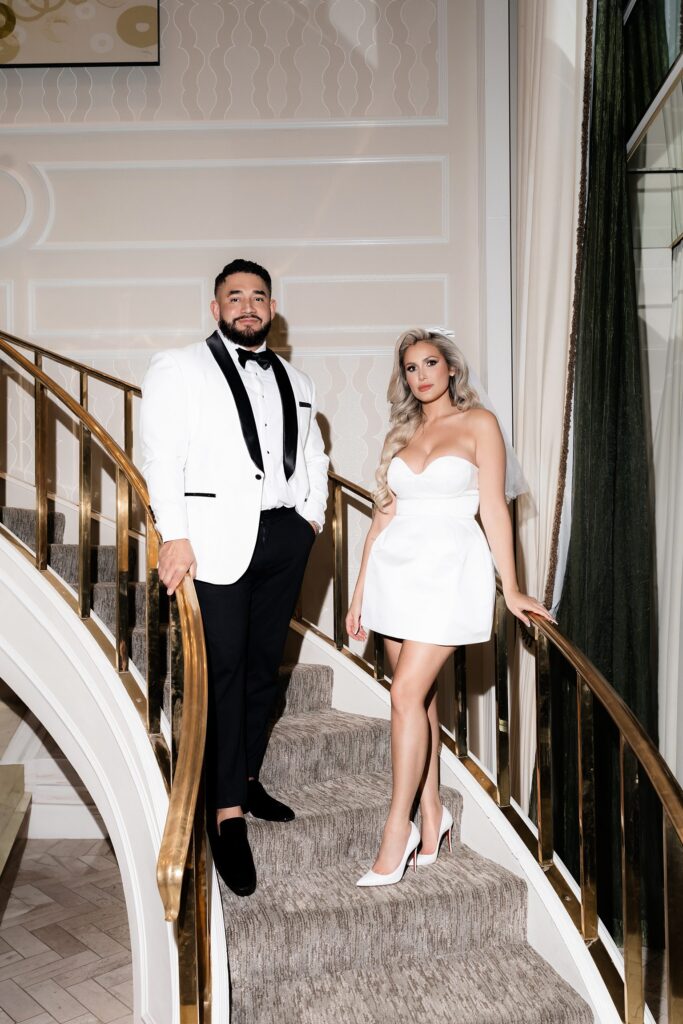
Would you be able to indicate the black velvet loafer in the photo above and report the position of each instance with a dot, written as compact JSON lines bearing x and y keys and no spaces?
{"x":232,"y":856}
{"x":262,"y":805}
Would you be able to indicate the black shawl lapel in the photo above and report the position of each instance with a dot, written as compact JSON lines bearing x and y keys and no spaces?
{"x":290,"y":418}
{"x":244,"y":410}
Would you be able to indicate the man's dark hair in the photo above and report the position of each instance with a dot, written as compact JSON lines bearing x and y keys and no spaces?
{"x":243,"y":267}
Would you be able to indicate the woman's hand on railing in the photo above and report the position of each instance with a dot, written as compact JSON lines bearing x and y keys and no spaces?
{"x":176,"y":559}
{"x":519,"y":603}
{"x":353,"y":624}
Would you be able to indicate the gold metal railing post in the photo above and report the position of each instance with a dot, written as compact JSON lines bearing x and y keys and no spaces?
{"x":500,"y":642}
{"x":122,"y":569}
{"x":203,"y":920}
{"x":190,"y":1011}
{"x":128,"y":396}
{"x":155,"y":682}
{"x":673,"y":921}
{"x":634,"y":1000}
{"x":84,"y":507}
{"x":176,"y":673}
{"x":378,"y":655}
{"x":40,"y":413}
{"x":587,"y":822}
{"x":128,"y":423}
{"x":338,"y":546}
{"x":544,"y":752}
{"x":460,"y":674}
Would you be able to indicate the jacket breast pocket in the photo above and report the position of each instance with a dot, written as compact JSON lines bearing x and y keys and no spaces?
{"x":304,"y":405}
{"x":200,"y":494}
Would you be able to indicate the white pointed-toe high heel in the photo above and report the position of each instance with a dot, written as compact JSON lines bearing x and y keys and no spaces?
{"x":373,"y":878}
{"x":445,"y":828}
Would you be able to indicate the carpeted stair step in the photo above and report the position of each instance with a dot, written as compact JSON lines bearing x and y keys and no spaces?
{"x":318,"y":922}
{"x":22,"y":523}
{"x":327,"y":744}
{"x":305,"y":688}
{"x":104,"y":603}
{"x":336,"y":820}
{"x":63,"y":558}
{"x":497,"y":985}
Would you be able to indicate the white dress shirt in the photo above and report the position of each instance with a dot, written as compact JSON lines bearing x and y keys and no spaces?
{"x":266,"y":403}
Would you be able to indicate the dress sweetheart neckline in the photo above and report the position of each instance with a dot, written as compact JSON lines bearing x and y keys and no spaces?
{"x":426,"y":467}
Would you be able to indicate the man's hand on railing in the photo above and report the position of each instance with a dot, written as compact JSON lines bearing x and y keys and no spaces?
{"x":176,"y":559}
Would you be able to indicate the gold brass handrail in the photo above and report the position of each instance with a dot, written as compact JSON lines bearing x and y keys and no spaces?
{"x":636,"y":751}
{"x":182,"y":854}
{"x":56,"y":357}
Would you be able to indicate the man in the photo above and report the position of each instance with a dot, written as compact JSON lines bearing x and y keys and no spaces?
{"x":237,"y":477}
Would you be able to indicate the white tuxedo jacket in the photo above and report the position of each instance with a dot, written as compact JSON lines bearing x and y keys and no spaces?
{"x":202,"y":460}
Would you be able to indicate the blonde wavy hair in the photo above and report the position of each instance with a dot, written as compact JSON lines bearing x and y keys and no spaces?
{"x":407,"y":413}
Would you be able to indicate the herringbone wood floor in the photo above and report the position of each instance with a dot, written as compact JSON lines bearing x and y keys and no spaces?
{"x":64,"y":940}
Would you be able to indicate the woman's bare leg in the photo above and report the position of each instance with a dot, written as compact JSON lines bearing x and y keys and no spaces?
{"x":430,"y":801}
{"x":415,"y":670}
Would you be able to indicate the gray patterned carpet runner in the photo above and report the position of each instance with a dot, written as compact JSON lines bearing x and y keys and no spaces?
{"x":446,"y":944}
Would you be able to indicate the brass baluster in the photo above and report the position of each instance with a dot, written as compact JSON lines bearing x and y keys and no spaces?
{"x":338,"y":547}
{"x":40,"y":413}
{"x":500,"y":641}
{"x":378,"y":655}
{"x":673,"y":887}
{"x":155,"y":682}
{"x":122,"y":569}
{"x":128,"y":434}
{"x":460,"y":674}
{"x":190,"y":1011}
{"x":544,"y":783}
{"x":587,"y":824}
{"x":629,"y":801}
{"x":175,"y":648}
{"x":84,"y":507}
{"x":203,"y":918}
{"x":128,"y":423}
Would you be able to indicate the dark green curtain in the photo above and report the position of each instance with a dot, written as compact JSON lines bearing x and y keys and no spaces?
{"x":646,"y":58}
{"x":607,"y":605}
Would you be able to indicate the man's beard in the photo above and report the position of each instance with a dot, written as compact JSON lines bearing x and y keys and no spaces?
{"x":251,"y":338}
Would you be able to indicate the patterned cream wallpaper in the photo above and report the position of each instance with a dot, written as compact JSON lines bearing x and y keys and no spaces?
{"x":237,"y":61}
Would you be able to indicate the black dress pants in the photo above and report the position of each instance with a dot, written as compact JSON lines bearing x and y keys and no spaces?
{"x":245,"y":628}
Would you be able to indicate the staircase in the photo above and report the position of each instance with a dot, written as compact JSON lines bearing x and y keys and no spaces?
{"x":447,"y":944}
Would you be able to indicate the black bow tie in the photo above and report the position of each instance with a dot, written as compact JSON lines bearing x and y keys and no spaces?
{"x":264,"y":359}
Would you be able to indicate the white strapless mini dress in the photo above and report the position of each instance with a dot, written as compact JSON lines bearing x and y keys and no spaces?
{"x":430,"y":574}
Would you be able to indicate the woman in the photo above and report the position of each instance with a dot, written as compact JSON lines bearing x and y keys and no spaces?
{"x":426,"y":579}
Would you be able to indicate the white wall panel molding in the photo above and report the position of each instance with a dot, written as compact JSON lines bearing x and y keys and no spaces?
{"x":116,"y":307}
{"x":347,"y":303}
{"x":121,"y":206}
{"x":135,"y":127}
{"x":15,"y":194}
{"x":7,"y":305}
